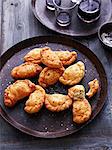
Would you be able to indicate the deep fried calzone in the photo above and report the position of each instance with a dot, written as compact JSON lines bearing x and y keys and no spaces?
{"x":26,"y":70}
{"x":33,"y":56}
{"x":94,"y":86}
{"x":66,"y":57}
{"x":49,"y":58}
{"x":17,"y":91}
{"x":57,"y":102}
{"x":35,"y":101}
{"x":81,"y":111}
{"x":49,"y":76}
{"x":77,"y":92}
{"x":73,"y":74}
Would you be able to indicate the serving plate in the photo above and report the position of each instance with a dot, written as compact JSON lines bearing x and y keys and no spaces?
{"x":77,"y":27}
{"x":47,"y":124}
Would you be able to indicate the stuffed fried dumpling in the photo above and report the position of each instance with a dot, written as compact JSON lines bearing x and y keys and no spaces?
{"x":17,"y":91}
{"x":35,"y":101}
{"x":50,"y":59}
{"x":33,"y":56}
{"x":94,"y":86}
{"x":49,"y":76}
{"x":57,"y":102}
{"x":77,"y":92}
{"x":73,"y":74}
{"x":81,"y":111}
{"x":26,"y":70}
{"x":67,"y":57}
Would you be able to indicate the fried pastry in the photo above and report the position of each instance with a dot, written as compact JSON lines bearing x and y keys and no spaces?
{"x":35,"y":101}
{"x":66,"y":57}
{"x":49,"y":76}
{"x":33,"y":56}
{"x":57,"y":102}
{"x":94,"y":86}
{"x":26,"y":70}
{"x":49,"y":58}
{"x":17,"y":91}
{"x":77,"y":92}
{"x":81,"y":111}
{"x":73,"y":74}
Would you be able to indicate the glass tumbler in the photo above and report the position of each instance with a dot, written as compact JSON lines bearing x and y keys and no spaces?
{"x":50,"y":4}
{"x":64,"y":12}
{"x":89,"y":10}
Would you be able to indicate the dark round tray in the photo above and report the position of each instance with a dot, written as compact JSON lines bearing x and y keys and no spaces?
{"x":77,"y":27}
{"x":45,"y":123}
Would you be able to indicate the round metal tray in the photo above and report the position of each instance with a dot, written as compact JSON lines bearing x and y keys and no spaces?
{"x":47,"y":124}
{"x":77,"y":27}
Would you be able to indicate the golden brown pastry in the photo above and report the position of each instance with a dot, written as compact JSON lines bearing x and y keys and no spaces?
{"x":49,"y":58}
{"x":49,"y":76}
{"x":73,"y":74}
{"x":17,"y":91}
{"x":81,"y":111}
{"x":33,"y":56}
{"x":35,"y":101}
{"x":26,"y":70}
{"x":77,"y":92}
{"x":94,"y":86}
{"x":57,"y":102}
{"x":66,"y":57}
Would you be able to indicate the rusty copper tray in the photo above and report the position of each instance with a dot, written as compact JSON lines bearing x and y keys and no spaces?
{"x":45,"y":123}
{"x":77,"y":27}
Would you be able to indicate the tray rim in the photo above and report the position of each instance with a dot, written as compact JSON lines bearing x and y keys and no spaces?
{"x":64,"y":33}
{"x":29,"y":131}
